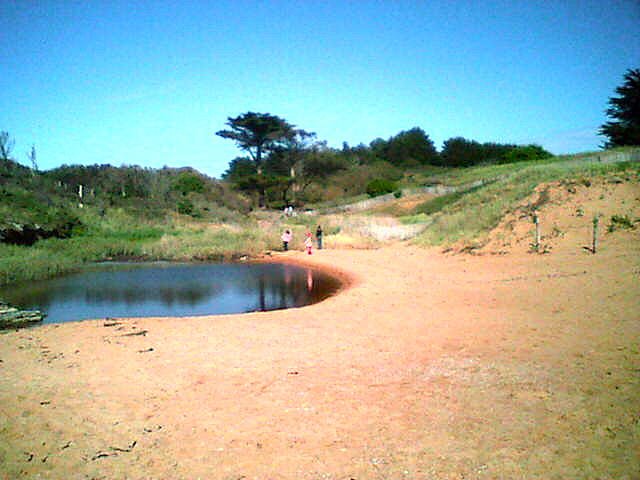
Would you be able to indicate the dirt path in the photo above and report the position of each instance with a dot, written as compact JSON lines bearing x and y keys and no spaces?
{"x":429,"y":366}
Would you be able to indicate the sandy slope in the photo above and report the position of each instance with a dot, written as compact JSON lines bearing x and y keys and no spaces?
{"x":428,"y":366}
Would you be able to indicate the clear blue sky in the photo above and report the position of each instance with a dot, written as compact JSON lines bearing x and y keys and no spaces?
{"x":150,"y":82}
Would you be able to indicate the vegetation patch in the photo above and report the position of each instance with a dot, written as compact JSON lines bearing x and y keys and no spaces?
{"x":620,"y":222}
{"x":436,"y":204}
{"x":380,"y":186}
{"x":470,"y":218}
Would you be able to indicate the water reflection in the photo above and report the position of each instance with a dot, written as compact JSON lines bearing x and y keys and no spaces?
{"x":118,"y":290}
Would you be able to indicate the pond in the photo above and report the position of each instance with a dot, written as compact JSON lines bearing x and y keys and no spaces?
{"x":171,"y":290}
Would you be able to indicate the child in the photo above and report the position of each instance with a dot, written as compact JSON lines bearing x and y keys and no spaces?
{"x":286,"y":238}
{"x":308,"y":243}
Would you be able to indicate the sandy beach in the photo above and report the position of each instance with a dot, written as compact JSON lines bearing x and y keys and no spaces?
{"x":426,"y":366}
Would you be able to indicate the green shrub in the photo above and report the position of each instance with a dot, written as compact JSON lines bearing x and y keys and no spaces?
{"x":63,"y":224}
{"x":620,"y":222}
{"x":187,"y":182}
{"x":380,"y":186}
{"x":525,"y":154}
{"x":436,"y":204}
{"x":185,"y":206}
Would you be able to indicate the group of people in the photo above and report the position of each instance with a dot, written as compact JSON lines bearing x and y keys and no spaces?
{"x":287,"y":236}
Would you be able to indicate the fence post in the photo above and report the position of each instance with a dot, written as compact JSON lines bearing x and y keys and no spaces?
{"x":594,"y":244}
{"x":536,"y":242}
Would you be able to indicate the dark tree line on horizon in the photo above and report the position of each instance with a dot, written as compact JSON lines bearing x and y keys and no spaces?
{"x":288,"y":165}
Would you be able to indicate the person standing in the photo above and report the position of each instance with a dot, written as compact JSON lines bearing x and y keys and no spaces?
{"x":319,"y":237}
{"x":286,"y":238}
{"x":308,"y":243}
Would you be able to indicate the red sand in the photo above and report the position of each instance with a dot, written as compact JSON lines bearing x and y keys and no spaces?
{"x":427,"y":366}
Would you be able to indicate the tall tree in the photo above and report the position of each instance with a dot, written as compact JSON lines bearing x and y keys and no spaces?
{"x":6,"y":145}
{"x":31,"y":155}
{"x":239,"y":168}
{"x":256,"y":133}
{"x":411,"y":147}
{"x":624,"y":129}
{"x":460,"y":152}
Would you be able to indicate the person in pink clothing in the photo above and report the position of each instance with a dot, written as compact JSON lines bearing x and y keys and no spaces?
{"x":308,"y":243}
{"x":286,"y":238}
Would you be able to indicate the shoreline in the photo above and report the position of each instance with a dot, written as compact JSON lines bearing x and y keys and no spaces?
{"x":432,"y":364}
{"x":343,"y":278}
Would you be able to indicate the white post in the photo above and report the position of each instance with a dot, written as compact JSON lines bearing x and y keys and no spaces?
{"x":536,"y":244}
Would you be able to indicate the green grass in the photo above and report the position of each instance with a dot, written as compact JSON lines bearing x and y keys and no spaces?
{"x":212,"y":245}
{"x":118,"y":236}
{"x":52,"y":257}
{"x":461,"y":176}
{"x":414,"y":219}
{"x":436,"y":204}
{"x":469,"y":217}
{"x":338,"y":202}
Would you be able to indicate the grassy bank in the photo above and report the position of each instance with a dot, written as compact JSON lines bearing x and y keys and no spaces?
{"x":469,"y":216}
{"x":119,"y":235}
{"x":560,"y":163}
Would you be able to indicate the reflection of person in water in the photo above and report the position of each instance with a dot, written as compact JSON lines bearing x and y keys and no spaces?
{"x":308,"y":243}
{"x":309,"y":280}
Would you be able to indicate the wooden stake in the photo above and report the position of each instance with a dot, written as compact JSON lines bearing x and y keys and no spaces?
{"x":594,"y":245}
{"x":536,"y":244}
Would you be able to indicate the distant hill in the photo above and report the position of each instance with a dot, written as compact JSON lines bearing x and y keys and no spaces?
{"x":36,"y":205}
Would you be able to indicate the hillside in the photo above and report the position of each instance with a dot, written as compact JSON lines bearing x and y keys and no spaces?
{"x":129,"y":212}
{"x":58,"y":202}
{"x":467,"y":213}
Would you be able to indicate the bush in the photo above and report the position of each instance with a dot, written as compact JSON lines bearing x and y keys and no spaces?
{"x":620,"y":222}
{"x":63,"y":224}
{"x":185,"y":206}
{"x":187,"y":182}
{"x":525,"y":154}
{"x":380,"y":186}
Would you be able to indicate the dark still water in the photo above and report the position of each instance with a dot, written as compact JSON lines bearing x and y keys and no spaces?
{"x":171,"y":290}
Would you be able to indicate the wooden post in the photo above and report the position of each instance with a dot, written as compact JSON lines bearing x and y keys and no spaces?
{"x":594,"y":245}
{"x":80,"y":192}
{"x":536,"y":244}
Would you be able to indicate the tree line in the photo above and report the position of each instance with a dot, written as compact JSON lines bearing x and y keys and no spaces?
{"x":285,"y":164}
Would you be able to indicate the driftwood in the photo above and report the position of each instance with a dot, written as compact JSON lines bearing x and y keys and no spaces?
{"x":11,"y":317}
{"x":114,"y":451}
{"x":135,"y":334}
